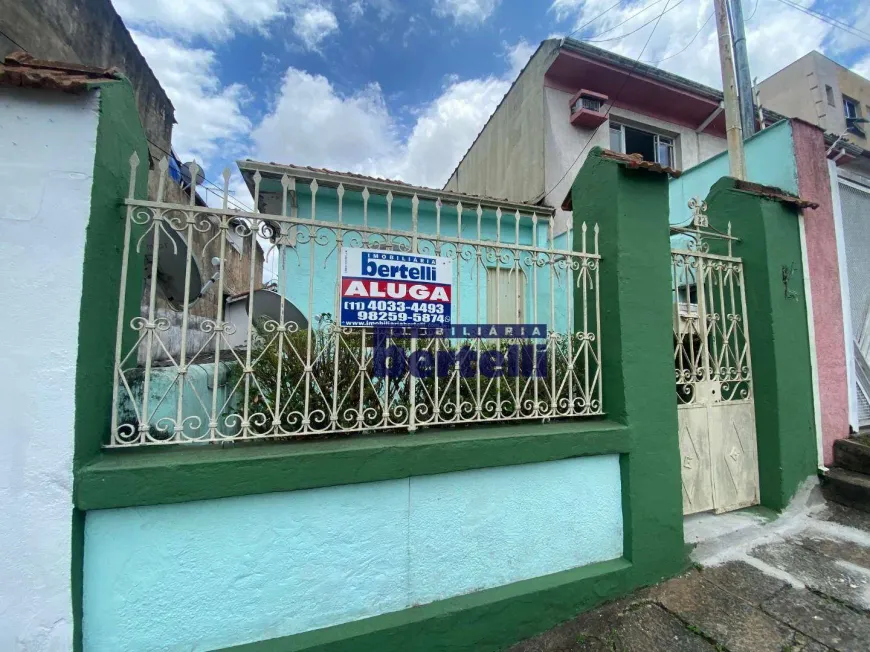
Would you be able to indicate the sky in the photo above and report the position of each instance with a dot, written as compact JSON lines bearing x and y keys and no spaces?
{"x":400,"y":88}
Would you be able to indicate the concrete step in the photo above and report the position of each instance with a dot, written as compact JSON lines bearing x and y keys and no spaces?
{"x":847,"y":488}
{"x":853,"y":455}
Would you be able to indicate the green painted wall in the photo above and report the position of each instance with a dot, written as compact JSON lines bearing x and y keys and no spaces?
{"x":119,"y":134}
{"x":631,"y":208}
{"x":779,"y":338}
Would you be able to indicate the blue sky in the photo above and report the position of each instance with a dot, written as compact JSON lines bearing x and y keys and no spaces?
{"x":400,"y":88}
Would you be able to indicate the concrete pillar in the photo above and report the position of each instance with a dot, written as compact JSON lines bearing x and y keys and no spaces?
{"x":631,"y":208}
{"x":769,"y":245}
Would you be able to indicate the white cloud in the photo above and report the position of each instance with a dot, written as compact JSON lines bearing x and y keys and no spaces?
{"x":465,"y":12}
{"x":862,"y":67}
{"x":776,"y":35}
{"x":447,"y":127}
{"x":210,"y":119}
{"x":212,"y":18}
{"x":313,"y":124}
{"x":356,"y":9}
{"x":219,"y":19}
{"x":518,"y":55}
{"x":313,"y":25}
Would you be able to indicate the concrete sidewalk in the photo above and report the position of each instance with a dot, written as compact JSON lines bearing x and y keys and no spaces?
{"x":799,"y":582}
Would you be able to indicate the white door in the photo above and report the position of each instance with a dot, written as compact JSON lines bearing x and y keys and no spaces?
{"x":713,"y":370}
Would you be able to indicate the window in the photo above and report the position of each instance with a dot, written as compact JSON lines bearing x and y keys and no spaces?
{"x":652,"y":147}
{"x":830,"y":93}
{"x":505,"y":295}
{"x":852,"y":110}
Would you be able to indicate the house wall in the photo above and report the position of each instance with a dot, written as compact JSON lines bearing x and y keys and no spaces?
{"x":769,"y":160}
{"x":568,"y":146}
{"x":238,"y":570}
{"x":47,"y":146}
{"x":88,"y":32}
{"x":506,"y":160}
{"x":469,"y":275}
{"x":798,"y":91}
{"x":790,"y":92}
{"x":822,"y":258}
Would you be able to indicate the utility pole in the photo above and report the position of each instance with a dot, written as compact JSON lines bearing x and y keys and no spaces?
{"x":741,"y":56}
{"x":733,"y":130}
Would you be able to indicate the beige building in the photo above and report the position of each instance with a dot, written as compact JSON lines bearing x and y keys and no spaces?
{"x":825,"y":93}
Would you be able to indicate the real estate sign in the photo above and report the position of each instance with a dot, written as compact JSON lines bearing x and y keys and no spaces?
{"x":386,"y":288}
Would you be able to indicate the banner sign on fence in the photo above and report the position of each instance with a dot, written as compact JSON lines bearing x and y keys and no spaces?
{"x":385,"y":288}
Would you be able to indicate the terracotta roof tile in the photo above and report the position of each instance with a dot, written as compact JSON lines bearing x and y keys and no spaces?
{"x":633,"y":161}
{"x":363,"y":178}
{"x":777,"y":194}
{"x":23,"y":70}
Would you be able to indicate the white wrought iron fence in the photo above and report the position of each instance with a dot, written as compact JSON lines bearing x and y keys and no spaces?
{"x":300,"y":373}
{"x":711,"y":333}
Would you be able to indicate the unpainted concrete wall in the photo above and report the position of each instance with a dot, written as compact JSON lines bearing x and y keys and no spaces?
{"x":507,"y":159}
{"x":88,"y":32}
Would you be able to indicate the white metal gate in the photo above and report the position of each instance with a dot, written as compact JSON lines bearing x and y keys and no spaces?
{"x":713,"y":369}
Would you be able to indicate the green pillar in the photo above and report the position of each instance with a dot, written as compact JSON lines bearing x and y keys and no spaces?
{"x":769,"y":235}
{"x":631,"y":209}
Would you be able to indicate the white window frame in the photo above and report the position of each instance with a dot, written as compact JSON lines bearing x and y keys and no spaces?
{"x":657,"y":140}
{"x":856,"y":108}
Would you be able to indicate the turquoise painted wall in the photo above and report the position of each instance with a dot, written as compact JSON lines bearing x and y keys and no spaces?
{"x":210,"y":574}
{"x":470,"y":278}
{"x":769,"y":160}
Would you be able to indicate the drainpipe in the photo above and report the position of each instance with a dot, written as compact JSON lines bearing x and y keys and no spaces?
{"x":736,"y":159}
{"x":744,"y":80}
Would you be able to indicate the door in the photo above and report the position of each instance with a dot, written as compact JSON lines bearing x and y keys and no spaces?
{"x":713,"y":370}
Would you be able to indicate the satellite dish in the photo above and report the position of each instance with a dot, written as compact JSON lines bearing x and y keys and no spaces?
{"x":185,"y":173}
{"x":171,"y":266}
{"x":267,"y":303}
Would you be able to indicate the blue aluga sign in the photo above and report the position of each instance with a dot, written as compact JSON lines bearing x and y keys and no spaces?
{"x":386,"y":288}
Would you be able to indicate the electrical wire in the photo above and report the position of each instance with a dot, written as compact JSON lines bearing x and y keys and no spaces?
{"x":218,"y":189}
{"x":637,"y":13}
{"x":589,"y":22}
{"x":622,"y":36}
{"x":12,"y":40}
{"x":671,"y":56}
{"x":754,"y":9}
{"x":835,"y":22}
{"x":615,"y":99}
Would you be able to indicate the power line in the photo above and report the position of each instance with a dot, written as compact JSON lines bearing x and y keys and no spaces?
{"x":849,"y":29}
{"x":12,"y":40}
{"x":754,"y":9}
{"x":637,"y":13}
{"x":701,"y":29}
{"x":589,"y":22}
{"x":615,"y":99}
{"x":621,"y":36}
{"x":219,"y":191}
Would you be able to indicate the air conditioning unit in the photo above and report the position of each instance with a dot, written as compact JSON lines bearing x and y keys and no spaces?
{"x":587,"y":109}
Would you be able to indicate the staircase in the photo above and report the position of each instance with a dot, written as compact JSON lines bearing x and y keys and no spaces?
{"x":848,"y":481}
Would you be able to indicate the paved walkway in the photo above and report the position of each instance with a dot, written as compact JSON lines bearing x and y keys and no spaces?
{"x":799,"y":583}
